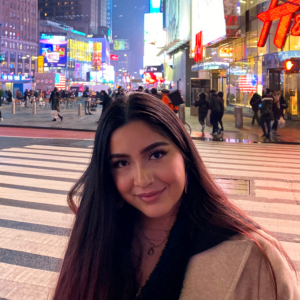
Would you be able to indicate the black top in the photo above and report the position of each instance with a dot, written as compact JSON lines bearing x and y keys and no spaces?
{"x":203,"y":106}
{"x":185,"y":241}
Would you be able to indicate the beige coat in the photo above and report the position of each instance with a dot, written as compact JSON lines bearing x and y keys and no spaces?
{"x":235,"y":270}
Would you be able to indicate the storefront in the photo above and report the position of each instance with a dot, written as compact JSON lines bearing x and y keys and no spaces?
{"x":259,"y":59}
{"x":14,"y":83}
{"x":212,"y":47}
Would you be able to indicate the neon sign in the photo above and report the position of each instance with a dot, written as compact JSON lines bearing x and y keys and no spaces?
{"x":283,"y":12}
{"x":114,"y":57}
{"x":199,"y":47}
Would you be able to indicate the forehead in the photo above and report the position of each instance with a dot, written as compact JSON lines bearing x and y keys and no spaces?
{"x":134,"y":137}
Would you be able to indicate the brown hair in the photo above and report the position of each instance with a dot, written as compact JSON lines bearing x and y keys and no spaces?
{"x":97,"y":263}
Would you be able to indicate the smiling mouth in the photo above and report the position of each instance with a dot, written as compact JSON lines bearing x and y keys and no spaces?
{"x":151,"y":197}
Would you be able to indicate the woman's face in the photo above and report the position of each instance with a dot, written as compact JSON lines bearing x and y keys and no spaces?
{"x":148,"y":169}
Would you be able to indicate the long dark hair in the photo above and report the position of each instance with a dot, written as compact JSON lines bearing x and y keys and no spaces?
{"x":98,"y":262}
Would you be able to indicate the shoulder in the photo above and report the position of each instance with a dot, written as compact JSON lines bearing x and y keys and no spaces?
{"x":236,"y":269}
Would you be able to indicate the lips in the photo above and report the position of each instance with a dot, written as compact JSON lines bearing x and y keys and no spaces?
{"x":151,"y":196}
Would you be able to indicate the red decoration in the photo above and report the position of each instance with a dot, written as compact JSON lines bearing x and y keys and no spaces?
{"x":199,"y":46}
{"x":283,"y":12}
{"x":296,"y":28}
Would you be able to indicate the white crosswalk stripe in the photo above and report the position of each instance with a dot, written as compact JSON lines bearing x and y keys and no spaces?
{"x":263,"y":180}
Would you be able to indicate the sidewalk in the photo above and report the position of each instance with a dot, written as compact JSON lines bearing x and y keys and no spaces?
{"x":25,"y":119}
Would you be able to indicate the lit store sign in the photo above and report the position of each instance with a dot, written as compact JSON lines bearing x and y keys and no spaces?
{"x":13,"y":77}
{"x":283,"y":12}
{"x":225,"y":52}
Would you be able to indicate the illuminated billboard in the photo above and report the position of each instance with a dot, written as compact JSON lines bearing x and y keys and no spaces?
{"x":54,"y":50}
{"x":203,"y":12}
{"x":154,"y":37}
{"x":121,"y":45}
{"x":97,"y":56}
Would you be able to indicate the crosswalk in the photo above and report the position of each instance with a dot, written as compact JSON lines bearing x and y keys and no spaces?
{"x":35,"y":221}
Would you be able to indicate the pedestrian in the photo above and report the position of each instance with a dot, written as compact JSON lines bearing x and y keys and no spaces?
{"x":19,"y":95}
{"x":9,"y":96}
{"x":155,"y":93}
{"x":203,"y":107}
{"x":267,"y":113}
{"x":41,"y":98}
{"x":167,"y":100}
{"x":255,"y":103}
{"x":283,"y":104}
{"x":56,"y":105}
{"x":182,"y":98}
{"x":222,"y":111}
{"x":214,"y":105}
{"x":147,"y":91}
{"x":276,"y":113}
{"x":151,"y":223}
{"x":140,"y":89}
{"x":106,"y":101}
{"x":87,"y":101}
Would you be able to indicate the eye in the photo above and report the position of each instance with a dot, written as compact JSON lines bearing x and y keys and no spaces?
{"x":120,"y":164}
{"x":158,"y":154}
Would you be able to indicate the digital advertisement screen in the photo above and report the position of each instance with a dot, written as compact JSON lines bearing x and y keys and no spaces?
{"x":203,"y":12}
{"x":154,"y":37}
{"x":121,"y":45}
{"x":54,"y":50}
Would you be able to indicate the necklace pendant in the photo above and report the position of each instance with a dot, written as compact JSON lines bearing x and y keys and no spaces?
{"x":151,"y":250}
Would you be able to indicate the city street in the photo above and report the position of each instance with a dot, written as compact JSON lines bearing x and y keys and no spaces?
{"x":37,"y":171}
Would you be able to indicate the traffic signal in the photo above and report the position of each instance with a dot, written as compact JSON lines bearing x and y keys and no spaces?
{"x":292,"y":66}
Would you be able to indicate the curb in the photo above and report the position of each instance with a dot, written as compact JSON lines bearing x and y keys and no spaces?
{"x":46,"y":128}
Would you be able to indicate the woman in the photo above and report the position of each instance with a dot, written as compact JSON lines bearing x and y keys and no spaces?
{"x":152,"y":223}
{"x":56,"y":104}
{"x":41,"y":98}
{"x":203,"y":107}
{"x":87,"y":101}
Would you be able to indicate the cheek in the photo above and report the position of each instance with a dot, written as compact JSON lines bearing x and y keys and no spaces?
{"x":174,"y":173}
{"x":123,"y":183}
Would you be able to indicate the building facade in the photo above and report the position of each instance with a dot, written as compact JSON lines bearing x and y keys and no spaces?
{"x":85,"y":16}
{"x":72,"y":47}
{"x":19,"y":37}
{"x":128,"y":40}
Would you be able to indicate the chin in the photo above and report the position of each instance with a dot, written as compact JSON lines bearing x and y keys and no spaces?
{"x":155,"y":212}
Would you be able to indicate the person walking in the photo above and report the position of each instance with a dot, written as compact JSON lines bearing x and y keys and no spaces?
{"x":267,"y":113}
{"x":56,"y":105}
{"x":9,"y":96}
{"x":203,"y":107}
{"x":222,"y":110}
{"x":167,"y":100}
{"x":255,"y":103}
{"x":283,"y":104}
{"x":87,"y":101}
{"x":41,"y":98}
{"x":276,"y":113}
{"x":214,"y":105}
{"x":151,"y":223}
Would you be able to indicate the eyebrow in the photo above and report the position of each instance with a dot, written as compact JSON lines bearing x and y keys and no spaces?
{"x":148,"y":148}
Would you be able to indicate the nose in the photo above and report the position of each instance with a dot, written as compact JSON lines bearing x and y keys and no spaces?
{"x":143,"y":177}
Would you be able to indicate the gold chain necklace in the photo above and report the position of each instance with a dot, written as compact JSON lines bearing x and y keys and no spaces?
{"x":151,"y":250}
